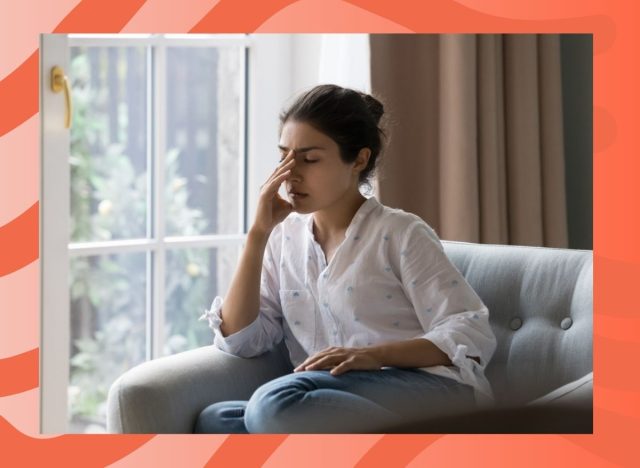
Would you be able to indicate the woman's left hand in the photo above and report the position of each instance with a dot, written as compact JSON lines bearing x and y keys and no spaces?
{"x":342,"y":360}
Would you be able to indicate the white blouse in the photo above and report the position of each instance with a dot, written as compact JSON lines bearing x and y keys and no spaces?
{"x":389,"y":280}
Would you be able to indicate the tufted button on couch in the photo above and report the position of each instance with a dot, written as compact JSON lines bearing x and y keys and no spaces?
{"x":541,"y":306}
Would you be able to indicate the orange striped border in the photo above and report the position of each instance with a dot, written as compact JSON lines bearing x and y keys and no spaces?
{"x":616,"y":231}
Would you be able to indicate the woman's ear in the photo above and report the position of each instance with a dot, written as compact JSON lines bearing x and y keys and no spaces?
{"x":362,"y":159}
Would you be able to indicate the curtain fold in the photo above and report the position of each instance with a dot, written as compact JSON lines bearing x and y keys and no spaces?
{"x":476,"y":144}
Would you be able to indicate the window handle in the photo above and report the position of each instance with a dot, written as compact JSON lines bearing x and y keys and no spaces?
{"x":59,"y":83}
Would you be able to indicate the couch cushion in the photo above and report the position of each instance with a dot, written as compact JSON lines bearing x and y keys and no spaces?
{"x":541,"y":311}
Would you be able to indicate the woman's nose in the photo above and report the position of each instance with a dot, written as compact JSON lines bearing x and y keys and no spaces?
{"x":295,"y":173}
{"x":295,"y":170}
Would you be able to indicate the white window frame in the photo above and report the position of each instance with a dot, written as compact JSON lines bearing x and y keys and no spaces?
{"x":269,"y":84}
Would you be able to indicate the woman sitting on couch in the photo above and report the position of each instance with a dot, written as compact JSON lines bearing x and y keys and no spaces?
{"x":380,"y":327}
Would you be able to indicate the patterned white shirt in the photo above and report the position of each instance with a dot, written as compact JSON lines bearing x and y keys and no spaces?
{"x":389,"y":280}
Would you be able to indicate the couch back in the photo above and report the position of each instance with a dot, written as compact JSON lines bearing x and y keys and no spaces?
{"x":540,"y":302}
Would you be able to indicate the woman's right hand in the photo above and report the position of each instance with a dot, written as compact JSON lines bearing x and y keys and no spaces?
{"x":272,"y":208}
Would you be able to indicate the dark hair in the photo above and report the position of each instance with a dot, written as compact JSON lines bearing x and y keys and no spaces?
{"x":351,"y":118}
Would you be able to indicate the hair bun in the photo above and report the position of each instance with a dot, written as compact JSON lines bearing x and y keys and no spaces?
{"x":375,"y":107}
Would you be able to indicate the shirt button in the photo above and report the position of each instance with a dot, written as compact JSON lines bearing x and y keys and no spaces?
{"x":515,"y":323}
{"x":566,"y":323}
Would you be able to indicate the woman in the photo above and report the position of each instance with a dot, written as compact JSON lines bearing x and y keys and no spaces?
{"x":380,"y":327}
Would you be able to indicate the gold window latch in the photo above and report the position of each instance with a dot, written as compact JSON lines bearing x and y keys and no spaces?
{"x":59,"y":83}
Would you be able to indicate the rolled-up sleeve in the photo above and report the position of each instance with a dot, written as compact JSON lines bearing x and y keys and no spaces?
{"x":452,"y":315}
{"x":266,"y":330}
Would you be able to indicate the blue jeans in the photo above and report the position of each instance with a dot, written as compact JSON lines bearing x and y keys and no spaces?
{"x":357,"y":401}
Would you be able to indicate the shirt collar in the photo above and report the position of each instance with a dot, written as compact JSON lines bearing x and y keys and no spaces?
{"x":367,"y":206}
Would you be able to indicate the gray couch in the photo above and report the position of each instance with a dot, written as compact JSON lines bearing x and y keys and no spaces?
{"x":540,"y":301}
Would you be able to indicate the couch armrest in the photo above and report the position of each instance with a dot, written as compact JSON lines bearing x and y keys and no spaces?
{"x":566,"y":410}
{"x":166,"y":395}
{"x":576,"y":394}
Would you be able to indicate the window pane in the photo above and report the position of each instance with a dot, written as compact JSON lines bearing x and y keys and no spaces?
{"x":203,"y":140}
{"x":108,"y":310}
{"x":108,"y":158}
{"x":194,"y":278}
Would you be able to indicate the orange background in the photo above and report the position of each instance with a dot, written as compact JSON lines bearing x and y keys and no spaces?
{"x":616,"y":231}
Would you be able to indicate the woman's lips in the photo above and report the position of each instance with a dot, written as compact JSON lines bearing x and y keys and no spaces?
{"x":298,"y":195}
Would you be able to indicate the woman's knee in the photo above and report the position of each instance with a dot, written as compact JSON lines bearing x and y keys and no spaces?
{"x":214,"y":419}
{"x":270,"y":408}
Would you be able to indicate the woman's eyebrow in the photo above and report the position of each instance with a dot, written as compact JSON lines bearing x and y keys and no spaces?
{"x":301,"y":150}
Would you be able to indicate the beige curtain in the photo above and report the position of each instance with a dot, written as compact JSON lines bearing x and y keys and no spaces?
{"x":476,"y":141}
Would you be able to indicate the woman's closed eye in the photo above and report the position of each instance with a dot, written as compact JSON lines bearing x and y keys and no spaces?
{"x":310,"y":161}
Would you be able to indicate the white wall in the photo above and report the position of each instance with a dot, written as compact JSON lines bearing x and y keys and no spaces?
{"x":306,"y":50}
{"x":342,"y":59}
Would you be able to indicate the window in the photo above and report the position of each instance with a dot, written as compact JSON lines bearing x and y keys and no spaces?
{"x":156,"y":201}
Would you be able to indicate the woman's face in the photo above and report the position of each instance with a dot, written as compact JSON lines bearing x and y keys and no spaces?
{"x":319,"y":172}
